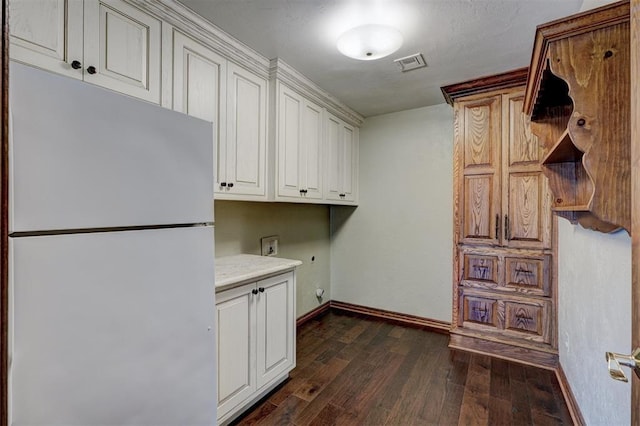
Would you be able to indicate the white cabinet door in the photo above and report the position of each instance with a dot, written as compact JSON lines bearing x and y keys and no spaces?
{"x":342,"y":161}
{"x":123,"y":45}
{"x":47,"y":34}
{"x":236,"y":340}
{"x":107,"y":42}
{"x":276,"y":327}
{"x":289,"y":127}
{"x":246,"y":141}
{"x":300,"y":147}
{"x":200,"y":89}
{"x":312,"y":144}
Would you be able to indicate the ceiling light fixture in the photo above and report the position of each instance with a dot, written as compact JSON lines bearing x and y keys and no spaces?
{"x":369,"y":42}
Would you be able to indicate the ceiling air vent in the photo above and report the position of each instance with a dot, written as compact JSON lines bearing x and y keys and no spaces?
{"x":411,"y":62}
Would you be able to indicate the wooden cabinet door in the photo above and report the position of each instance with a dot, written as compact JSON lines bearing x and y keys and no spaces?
{"x":526,"y":199}
{"x":478,"y":133}
{"x":47,"y":34}
{"x":342,"y":160}
{"x":123,"y":43}
{"x":311,"y":150}
{"x":236,"y":340}
{"x":200,"y":90}
{"x":276,"y":327}
{"x":246,"y":132}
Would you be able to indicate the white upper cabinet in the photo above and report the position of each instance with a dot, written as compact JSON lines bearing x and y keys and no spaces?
{"x":47,"y":34}
{"x":342,"y":162}
{"x":246,"y":142}
{"x":272,"y":135}
{"x":108,"y":42}
{"x":300,"y":147}
{"x":199,"y":88}
{"x":122,"y":44}
{"x":208,"y":86}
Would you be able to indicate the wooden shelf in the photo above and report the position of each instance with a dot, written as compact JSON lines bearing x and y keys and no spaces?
{"x":564,"y":151}
{"x":584,"y":208}
{"x":585,"y":130}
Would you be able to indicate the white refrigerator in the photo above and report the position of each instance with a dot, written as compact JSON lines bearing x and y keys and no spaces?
{"x":111,"y":258}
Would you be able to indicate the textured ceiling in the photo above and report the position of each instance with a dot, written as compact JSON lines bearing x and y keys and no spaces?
{"x":460,"y":40}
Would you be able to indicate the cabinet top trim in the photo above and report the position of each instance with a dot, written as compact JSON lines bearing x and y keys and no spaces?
{"x":193,"y":24}
{"x":601,"y":17}
{"x":505,"y":80}
{"x":285,"y":73}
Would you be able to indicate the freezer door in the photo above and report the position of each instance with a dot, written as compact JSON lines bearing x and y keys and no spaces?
{"x":114,"y":328}
{"x":84,"y":157}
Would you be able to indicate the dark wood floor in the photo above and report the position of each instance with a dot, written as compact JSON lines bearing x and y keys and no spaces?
{"x":352,"y":370}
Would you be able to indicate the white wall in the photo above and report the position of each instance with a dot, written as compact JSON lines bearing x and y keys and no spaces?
{"x":304,"y":234}
{"x":594,"y":316}
{"x":394,"y":251}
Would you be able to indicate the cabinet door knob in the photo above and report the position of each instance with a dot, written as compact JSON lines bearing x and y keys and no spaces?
{"x":76,"y":65}
{"x":261,"y":289}
{"x":254,"y":291}
{"x":497,"y":226}
{"x":91,"y":69}
{"x":230,"y":184}
{"x":223,"y":184}
{"x":343,"y":195}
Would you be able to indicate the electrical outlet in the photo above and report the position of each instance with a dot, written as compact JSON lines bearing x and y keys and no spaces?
{"x":269,"y":245}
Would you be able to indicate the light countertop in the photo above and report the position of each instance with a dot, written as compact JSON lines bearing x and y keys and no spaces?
{"x":239,"y":269}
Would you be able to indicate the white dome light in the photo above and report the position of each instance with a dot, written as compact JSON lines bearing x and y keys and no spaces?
{"x":369,"y":42}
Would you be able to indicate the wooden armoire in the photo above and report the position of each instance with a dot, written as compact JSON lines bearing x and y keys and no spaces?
{"x":504,"y":291}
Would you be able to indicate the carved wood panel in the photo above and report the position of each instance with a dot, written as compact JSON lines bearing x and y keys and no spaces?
{"x":481,"y":268}
{"x":479,"y":208}
{"x":526,"y":199}
{"x":527,"y":319}
{"x":482,"y":132}
{"x":524,"y":222}
{"x":528,"y":275}
{"x":524,"y":147}
{"x":480,"y":310}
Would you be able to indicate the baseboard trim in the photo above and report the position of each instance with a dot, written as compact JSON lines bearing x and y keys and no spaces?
{"x":314,"y":313}
{"x":528,"y":356}
{"x":572,"y":404}
{"x":404,"y":319}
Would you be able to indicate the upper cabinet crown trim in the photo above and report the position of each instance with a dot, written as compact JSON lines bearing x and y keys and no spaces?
{"x":601,"y":17}
{"x":283,"y":72}
{"x":505,"y":80}
{"x":182,"y":17}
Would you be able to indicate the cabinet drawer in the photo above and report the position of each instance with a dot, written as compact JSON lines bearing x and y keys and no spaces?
{"x":479,"y":312}
{"x":480,"y":270}
{"x":528,"y":275}
{"x":511,"y":316}
{"x":527,"y":319}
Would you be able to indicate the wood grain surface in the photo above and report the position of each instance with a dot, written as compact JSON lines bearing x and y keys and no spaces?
{"x":635,"y":200}
{"x":357,"y":371}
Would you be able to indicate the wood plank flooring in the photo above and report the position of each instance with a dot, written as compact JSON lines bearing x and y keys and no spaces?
{"x":352,"y":370}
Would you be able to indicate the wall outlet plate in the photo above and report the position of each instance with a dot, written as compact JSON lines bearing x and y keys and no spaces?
{"x":269,"y":245}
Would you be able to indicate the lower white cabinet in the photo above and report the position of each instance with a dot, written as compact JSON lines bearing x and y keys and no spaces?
{"x":255,"y":341}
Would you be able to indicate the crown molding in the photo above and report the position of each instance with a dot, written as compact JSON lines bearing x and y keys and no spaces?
{"x":285,"y":73}
{"x":184,"y":19}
